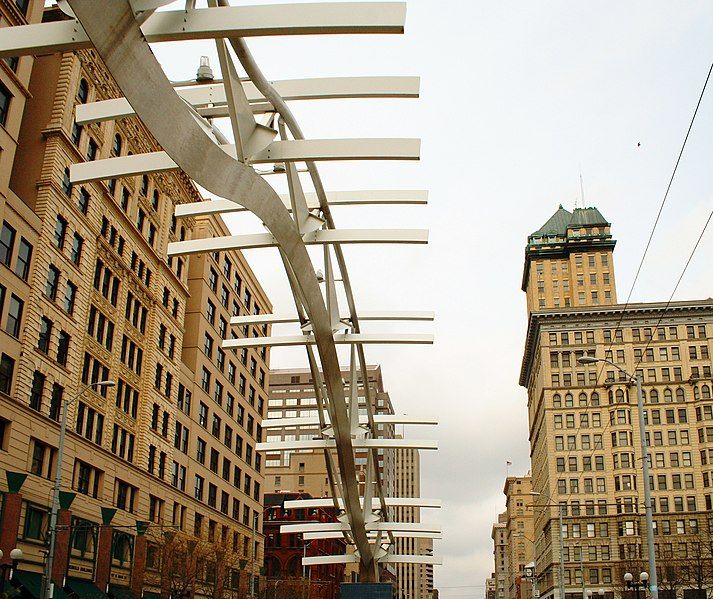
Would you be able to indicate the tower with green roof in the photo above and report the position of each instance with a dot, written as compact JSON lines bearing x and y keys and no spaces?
{"x":569,"y":262}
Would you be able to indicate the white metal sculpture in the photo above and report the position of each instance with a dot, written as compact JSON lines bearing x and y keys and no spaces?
{"x":121,"y":31}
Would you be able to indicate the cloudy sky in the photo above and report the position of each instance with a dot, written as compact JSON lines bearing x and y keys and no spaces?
{"x":517,"y":99}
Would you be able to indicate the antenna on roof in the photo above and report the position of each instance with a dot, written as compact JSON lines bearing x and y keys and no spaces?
{"x":581,"y":186}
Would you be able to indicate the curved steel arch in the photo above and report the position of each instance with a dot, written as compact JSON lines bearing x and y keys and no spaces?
{"x":115,"y":33}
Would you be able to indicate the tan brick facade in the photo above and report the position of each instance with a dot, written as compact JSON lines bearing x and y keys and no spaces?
{"x":100,"y":301}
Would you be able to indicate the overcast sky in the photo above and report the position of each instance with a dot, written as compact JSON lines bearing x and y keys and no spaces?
{"x":517,"y":99}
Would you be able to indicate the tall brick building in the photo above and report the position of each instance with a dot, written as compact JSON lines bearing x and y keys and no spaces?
{"x":583,"y":419}
{"x":162,"y":487}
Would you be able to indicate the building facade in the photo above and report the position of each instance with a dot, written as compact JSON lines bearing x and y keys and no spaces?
{"x":284,"y":551}
{"x":292,"y":395}
{"x":501,"y":557}
{"x":160,"y":468}
{"x":414,"y":581}
{"x":519,"y":534}
{"x":583,"y":419}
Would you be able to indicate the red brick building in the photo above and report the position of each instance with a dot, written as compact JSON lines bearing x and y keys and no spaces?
{"x":284,"y":552}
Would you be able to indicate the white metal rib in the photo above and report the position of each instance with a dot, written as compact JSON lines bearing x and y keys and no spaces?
{"x":220,"y":22}
{"x":320,"y":237}
{"x":335,"y":198}
{"x":257,"y":319}
{"x":323,"y":502}
{"x":339,"y":339}
{"x":271,"y":423}
{"x":293,"y":89}
{"x":377,"y":443}
{"x":311,"y":150}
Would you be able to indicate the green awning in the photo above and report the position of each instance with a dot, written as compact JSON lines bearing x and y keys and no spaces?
{"x":150,"y":595}
{"x":28,"y":583}
{"x":119,"y":592}
{"x":84,"y":589}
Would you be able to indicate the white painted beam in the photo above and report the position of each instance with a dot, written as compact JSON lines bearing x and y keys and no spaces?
{"x":295,"y":89}
{"x":303,"y":527}
{"x":428,"y":560}
{"x":335,"y":198}
{"x":313,"y":150}
{"x":320,"y":237}
{"x":339,"y":339}
{"x":326,"y":502}
{"x":277,"y":151}
{"x":271,"y":423}
{"x":398,"y":315}
{"x":377,"y":443}
{"x":321,"y":560}
{"x":219,"y":22}
{"x":313,"y":536}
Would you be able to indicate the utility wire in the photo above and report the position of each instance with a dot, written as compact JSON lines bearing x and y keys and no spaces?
{"x":602,"y":367}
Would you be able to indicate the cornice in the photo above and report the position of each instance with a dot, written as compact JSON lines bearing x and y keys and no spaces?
{"x":600,"y":313}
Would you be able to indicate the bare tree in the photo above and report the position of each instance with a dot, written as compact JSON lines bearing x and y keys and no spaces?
{"x":697,"y":563}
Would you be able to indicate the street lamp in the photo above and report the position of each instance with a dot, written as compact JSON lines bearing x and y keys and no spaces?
{"x":561,"y":538}
{"x":645,"y":467}
{"x":47,"y":584}
{"x":9,"y":569}
{"x":640,"y":584}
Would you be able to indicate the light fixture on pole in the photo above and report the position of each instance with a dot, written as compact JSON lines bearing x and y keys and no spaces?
{"x":9,"y":569}
{"x":648,"y":507}
{"x":636,"y":585}
{"x":47,"y":584}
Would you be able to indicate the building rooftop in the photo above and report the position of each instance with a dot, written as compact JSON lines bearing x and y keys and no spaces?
{"x":562,"y":220}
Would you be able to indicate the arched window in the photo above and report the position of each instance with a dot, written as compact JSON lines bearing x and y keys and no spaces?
{"x":595,"y":399}
{"x":66,"y":183}
{"x":680,"y":394}
{"x":293,"y":566}
{"x":619,"y":396}
{"x":568,"y":400}
{"x":582,"y":399}
{"x":83,"y":91}
{"x":144,"y":184}
{"x":667,"y":395}
{"x":273,"y":567}
{"x":557,"y":400}
{"x":654,"y":395}
{"x":705,"y":392}
{"x":116,"y":148}
{"x":696,"y":393}
{"x":610,"y":395}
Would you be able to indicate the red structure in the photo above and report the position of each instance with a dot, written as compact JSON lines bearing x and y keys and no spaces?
{"x":284,"y":552}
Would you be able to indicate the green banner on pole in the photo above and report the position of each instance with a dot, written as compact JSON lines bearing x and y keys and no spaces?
{"x":15,"y":480}
{"x":108,"y":515}
{"x":65,"y":499}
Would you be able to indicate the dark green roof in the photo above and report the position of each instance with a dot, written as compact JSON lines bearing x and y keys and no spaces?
{"x":587,"y":217}
{"x":562,"y":220}
{"x":557,"y":224}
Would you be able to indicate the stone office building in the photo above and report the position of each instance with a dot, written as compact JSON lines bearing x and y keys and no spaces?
{"x":162,"y":465}
{"x":583,"y":419}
